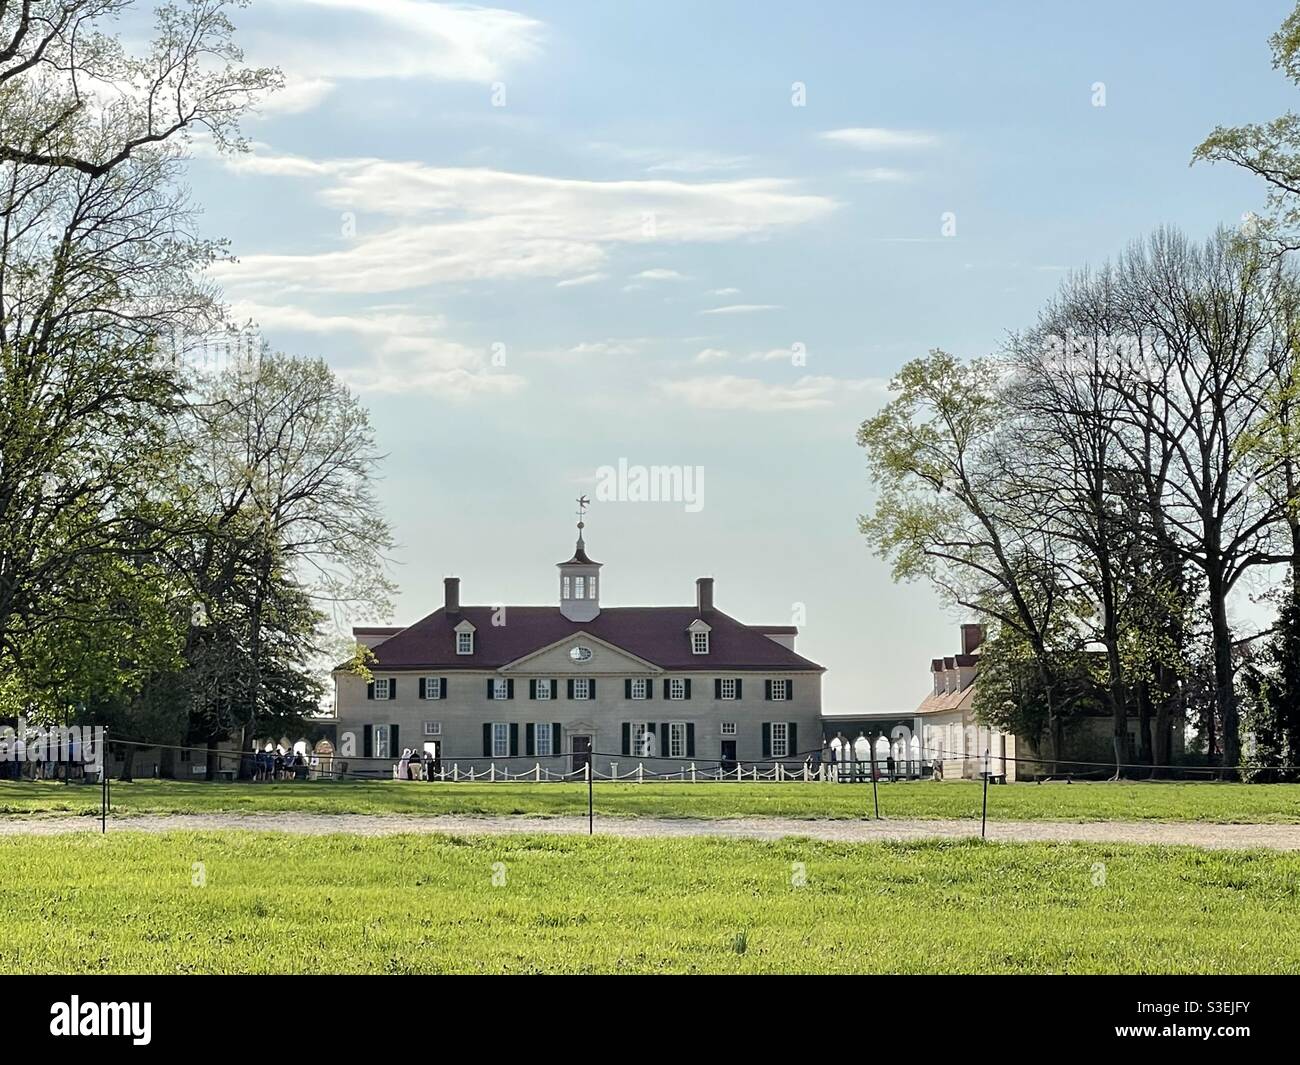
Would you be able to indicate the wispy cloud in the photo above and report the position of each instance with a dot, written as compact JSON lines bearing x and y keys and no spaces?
{"x":659,"y":274}
{"x":875,"y":138}
{"x":743,"y":308}
{"x":882,"y":174}
{"x":585,"y":279}
{"x":729,"y":392}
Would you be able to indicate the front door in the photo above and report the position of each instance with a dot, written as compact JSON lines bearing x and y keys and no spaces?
{"x":728,"y":756}
{"x":581,"y":752}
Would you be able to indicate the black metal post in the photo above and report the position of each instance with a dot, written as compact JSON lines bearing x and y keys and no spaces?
{"x":591,"y":814}
{"x":984,"y":816}
{"x":103,"y":791}
{"x":108,"y":777}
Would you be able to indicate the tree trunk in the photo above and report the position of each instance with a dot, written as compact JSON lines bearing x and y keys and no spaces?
{"x":1118,"y":707}
{"x":1225,"y":698}
{"x":128,"y":762}
{"x":1145,"y":746}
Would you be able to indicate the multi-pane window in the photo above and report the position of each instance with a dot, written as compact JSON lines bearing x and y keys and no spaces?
{"x":727,"y":688}
{"x":640,"y":739}
{"x":728,"y":728}
{"x":543,"y":739}
{"x":700,"y":643}
{"x":500,"y":740}
{"x":640,"y":688}
{"x":591,"y":587}
{"x":542,"y":689}
{"x":432,"y":688}
{"x":779,"y":689}
{"x":500,"y":688}
{"x":464,"y":643}
{"x":579,"y":590}
{"x":581,"y":688}
{"x":381,"y":688}
{"x":433,"y":728}
{"x":677,"y":739}
{"x":676,"y":688}
{"x":564,"y":587}
{"x":381,"y":741}
{"x":780,"y":739}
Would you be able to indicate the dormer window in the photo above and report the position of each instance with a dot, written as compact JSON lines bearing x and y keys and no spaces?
{"x":464,"y":643}
{"x":699,"y":643}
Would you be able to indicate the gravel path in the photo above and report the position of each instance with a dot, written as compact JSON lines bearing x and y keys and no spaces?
{"x":1278,"y":837}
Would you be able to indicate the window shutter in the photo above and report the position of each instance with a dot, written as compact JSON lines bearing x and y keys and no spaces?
{"x":367,"y":741}
{"x":514,"y":739}
{"x":627,"y":688}
{"x":789,"y":689}
{"x":649,"y":687}
{"x":738,"y":692}
{"x":717,"y":687}
{"x":570,"y":687}
{"x":442,"y":688}
{"x":690,"y":739}
{"x":392,"y":688}
{"x":510,"y":687}
{"x":767,"y":739}
{"x":665,"y":687}
{"x":591,"y":688}
{"x":555,"y":738}
{"x":394,"y":748}
{"x":767,"y":690}
{"x":489,"y":690}
{"x":793,"y":732}
{"x":532,"y":689}
{"x":423,"y":684}
{"x":627,"y":738}
{"x":487,"y":739}
{"x":370,"y":690}
{"x":529,"y":743}
{"x":555,"y":689}
{"x":664,"y":745}
{"x":688,"y":687}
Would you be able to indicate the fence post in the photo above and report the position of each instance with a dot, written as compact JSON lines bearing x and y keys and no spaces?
{"x":779,"y":776}
{"x":108,"y":778}
{"x":640,"y":772}
{"x":693,"y":773}
{"x":984,"y":816}
{"x":591,"y":804}
{"x":875,"y":791}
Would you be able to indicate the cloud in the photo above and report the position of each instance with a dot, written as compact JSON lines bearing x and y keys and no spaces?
{"x":743,"y":308}
{"x":664,"y":161}
{"x":585,"y":279}
{"x":729,"y":392}
{"x":403,"y":351}
{"x":320,"y":43}
{"x":659,"y":275}
{"x":877,"y":174}
{"x":875,"y":139}
{"x":724,"y":292}
{"x":712,"y":355}
{"x":419,"y":225}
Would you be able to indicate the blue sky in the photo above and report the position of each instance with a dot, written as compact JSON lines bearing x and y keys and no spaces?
{"x":541,"y":239}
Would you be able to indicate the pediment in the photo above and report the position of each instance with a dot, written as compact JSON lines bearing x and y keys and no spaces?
{"x":554,"y":659}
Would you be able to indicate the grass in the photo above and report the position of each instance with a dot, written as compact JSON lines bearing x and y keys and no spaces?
{"x":272,"y":903}
{"x":1154,"y":801}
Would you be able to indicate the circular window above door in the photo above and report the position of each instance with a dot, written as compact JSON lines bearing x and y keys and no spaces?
{"x":580,"y":654}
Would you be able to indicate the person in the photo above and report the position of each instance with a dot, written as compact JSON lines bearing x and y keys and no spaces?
{"x":404,"y":765}
{"x":938,"y":769}
{"x":889,"y":765}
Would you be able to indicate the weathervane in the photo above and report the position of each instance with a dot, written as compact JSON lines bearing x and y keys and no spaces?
{"x":583,"y":503}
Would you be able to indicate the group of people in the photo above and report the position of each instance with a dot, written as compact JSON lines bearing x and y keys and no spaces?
{"x":279,"y":764}
{"x":416,"y":765}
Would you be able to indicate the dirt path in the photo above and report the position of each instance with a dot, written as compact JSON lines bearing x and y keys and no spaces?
{"x":1278,"y":837}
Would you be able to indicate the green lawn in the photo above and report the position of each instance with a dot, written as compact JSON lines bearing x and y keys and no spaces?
{"x":1210,"y":802}
{"x":274,"y":903}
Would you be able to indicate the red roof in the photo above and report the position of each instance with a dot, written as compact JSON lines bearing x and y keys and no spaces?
{"x":654,"y":633}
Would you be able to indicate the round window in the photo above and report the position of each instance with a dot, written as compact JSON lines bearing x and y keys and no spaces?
{"x":580,"y":654}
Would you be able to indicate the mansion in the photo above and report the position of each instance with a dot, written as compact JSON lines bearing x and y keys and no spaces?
{"x":560,"y":686}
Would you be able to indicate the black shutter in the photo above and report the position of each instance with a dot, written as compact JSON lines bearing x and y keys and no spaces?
{"x":367,"y":741}
{"x":627,"y":738}
{"x":738,"y":692}
{"x":510,"y":687}
{"x":591,"y":688}
{"x":688,"y":687}
{"x":514,"y":739}
{"x":789,"y":689}
{"x":392,"y":688}
{"x":690,"y":740}
{"x":442,"y":688}
{"x":570,"y":687}
{"x":665,"y":687}
{"x":370,"y":690}
{"x":663,"y":739}
{"x":394,"y":749}
{"x":649,"y":687}
{"x":793,"y":746}
{"x":489,"y":690}
{"x":555,"y":689}
{"x":487,"y":739}
{"x":767,"y":739}
{"x":767,"y":690}
{"x":532,"y":689}
{"x":627,"y":688}
{"x":422,"y":686}
{"x":529,"y":745}
{"x":717,"y":687}
{"x":555,"y":737}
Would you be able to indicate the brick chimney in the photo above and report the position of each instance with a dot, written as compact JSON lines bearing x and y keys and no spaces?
{"x":704,"y":594}
{"x":451,"y":595}
{"x":971,"y":638}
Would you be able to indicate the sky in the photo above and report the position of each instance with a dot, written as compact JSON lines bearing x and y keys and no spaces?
{"x":544,"y":239}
